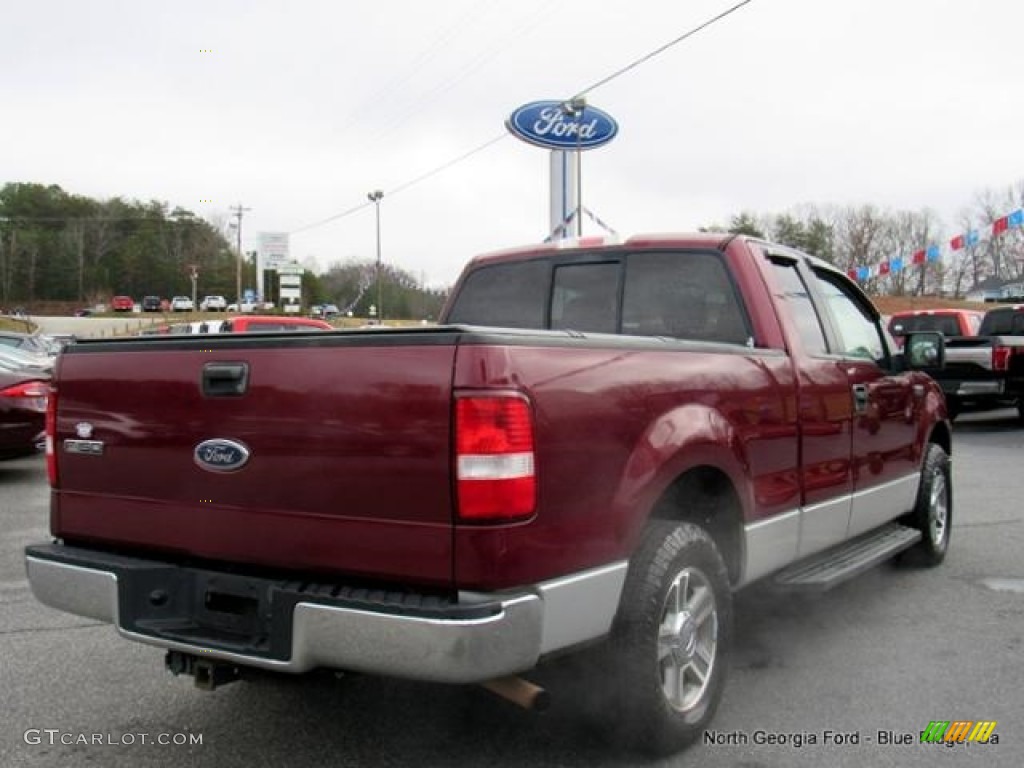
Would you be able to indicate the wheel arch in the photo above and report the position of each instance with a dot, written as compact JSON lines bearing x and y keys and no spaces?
{"x":706,"y":496}
{"x":942,"y":436}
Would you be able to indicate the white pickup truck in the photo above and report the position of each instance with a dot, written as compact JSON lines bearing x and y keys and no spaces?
{"x":213,"y":304}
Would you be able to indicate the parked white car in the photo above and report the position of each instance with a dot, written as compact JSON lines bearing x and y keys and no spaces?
{"x":182,"y":304}
{"x":213,"y":304}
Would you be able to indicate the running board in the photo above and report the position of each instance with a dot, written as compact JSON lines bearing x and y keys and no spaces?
{"x":833,"y":566}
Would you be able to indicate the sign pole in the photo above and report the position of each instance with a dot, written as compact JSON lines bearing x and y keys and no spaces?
{"x":567,"y":128}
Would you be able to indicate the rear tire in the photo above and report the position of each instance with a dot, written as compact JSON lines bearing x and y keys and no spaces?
{"x":671,"y":641}
{"x":933,"y":511}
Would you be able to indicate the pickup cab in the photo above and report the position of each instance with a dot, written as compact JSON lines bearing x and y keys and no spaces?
{"x":599,"y":445}
{"x":987,"y":371}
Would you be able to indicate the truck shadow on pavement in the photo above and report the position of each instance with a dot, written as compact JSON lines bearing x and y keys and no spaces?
{"x":360,"y":720}
{"x":1001,"y":420}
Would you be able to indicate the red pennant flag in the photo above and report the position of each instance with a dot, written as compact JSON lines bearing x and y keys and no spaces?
{"x":957,"y":243}
{"x":1000,"y":225}
{"x":919,"y":257}
{"x":883,"y":268}
{"x":852,"y":274}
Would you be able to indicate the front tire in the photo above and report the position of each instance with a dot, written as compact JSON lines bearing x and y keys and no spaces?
{"x":671,"y":640}
{"x":933,"y":510}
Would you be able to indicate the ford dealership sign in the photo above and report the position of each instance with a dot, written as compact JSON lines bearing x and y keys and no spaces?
{"x":553,"y":124}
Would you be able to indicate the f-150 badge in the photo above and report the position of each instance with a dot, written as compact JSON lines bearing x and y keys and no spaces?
{"x":220,"y":455}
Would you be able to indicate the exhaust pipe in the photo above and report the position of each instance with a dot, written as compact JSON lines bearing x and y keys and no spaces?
{"x":520,"y":692}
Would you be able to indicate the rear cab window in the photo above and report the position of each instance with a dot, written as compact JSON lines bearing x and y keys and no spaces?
{"x":947,"y":325}
{"x":1003,"y":322}
{"x":674,"y":293}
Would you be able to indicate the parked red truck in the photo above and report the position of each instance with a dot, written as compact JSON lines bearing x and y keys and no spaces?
{"x":600,"y":443}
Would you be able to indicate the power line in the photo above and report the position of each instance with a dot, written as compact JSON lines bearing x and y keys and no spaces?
{"x":450,"y":163}
{"x":604,"y":81}
{"x":658,"y":51}
{"x":403,"y":186}
{"x":441,"y":39}
{"x":329,"y":219}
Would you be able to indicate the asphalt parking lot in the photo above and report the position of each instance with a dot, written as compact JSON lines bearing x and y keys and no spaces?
{"x":850,"y":677}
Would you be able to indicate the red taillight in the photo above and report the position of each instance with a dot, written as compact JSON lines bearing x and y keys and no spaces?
{"x":51,"y":437}
{"x":30,"y":395}
{"x":494,"y":458}
{"x":1001,"y":358}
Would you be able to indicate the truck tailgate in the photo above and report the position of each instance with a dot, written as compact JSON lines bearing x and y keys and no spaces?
{"x":347,"y":438}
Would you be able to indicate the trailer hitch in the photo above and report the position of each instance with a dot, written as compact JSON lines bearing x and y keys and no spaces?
{"x":208,"y":673}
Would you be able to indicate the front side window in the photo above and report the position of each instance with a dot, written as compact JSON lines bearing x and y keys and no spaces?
{"x":858,"y":334}
{"x":802,"y":310}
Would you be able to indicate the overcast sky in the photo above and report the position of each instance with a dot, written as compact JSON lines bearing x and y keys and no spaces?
{"x":298,"y":108}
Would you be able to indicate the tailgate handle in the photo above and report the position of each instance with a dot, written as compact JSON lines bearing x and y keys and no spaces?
{"x":225,"y":379}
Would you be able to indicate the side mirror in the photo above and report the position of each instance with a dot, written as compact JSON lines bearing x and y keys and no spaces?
{"x":925,"y":351}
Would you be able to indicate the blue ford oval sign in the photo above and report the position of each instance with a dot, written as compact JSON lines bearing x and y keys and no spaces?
{"x":554,"y":125}
{"x":220,"y":455}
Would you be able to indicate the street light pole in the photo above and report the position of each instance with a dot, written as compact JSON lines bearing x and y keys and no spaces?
{"x":375,"y":198}
{"x":238,"y":211}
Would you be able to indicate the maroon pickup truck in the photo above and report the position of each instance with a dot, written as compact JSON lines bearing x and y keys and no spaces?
{"x":597,"y":446}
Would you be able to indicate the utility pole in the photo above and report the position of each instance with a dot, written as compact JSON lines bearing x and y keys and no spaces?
{"x":194,"y":277}
{"x":238,"y":211}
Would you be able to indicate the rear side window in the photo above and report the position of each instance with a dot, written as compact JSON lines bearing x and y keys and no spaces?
{"x":682,"y":295}
{"x":510,"y":295}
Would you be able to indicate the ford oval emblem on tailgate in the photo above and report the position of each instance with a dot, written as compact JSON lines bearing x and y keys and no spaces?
{"x":221,"y":455}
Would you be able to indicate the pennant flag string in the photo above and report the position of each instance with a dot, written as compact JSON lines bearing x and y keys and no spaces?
{"x":933,"y":253}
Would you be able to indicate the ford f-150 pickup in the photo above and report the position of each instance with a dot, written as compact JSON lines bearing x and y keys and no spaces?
{"x":986,"y":371}
{"x":600,"y":443}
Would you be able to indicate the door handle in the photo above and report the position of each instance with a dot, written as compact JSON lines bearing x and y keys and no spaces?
{"x":860,"y":398}
{"x":225,"y":379}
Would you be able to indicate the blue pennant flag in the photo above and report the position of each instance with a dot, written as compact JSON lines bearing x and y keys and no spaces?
{"x":971,"y":237}
{"x":933,"y":253}
{"x":863,"y":273}
{"x":896,"y":264}
{"x":1016,"y":219}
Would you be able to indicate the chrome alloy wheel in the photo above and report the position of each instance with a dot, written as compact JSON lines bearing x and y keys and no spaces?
{"x":938,"y":511}
{"x":688,"y":639}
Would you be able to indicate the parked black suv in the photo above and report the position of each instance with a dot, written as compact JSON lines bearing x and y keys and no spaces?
{"x":151,"y":304}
